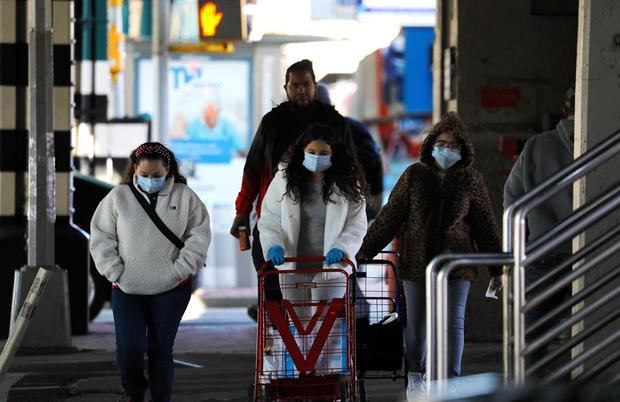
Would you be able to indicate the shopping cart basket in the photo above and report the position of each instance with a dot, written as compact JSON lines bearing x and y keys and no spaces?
{"x":379,"y":324}
{"x":306,"y":339}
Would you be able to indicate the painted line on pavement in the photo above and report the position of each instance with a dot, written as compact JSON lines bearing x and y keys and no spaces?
{"x":188,"y":364}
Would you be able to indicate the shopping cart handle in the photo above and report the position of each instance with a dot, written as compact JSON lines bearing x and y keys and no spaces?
{"x":305,"y":259}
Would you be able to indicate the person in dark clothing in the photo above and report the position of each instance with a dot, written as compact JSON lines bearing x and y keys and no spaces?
{"x":543,"y":155}
{"x":278,"y":130}
{"x":368,"y":155}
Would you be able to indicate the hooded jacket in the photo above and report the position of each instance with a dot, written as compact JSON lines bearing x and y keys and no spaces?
{"x":436,"y":215}
{"x":543,"y":155}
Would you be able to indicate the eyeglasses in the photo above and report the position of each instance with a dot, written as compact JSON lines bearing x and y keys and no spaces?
{"x":449,"y":145}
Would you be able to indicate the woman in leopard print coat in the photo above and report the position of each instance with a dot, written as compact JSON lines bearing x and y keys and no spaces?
{"x":441,"y":205}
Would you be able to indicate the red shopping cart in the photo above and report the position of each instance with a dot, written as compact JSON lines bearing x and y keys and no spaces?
{"x":306,"y":333}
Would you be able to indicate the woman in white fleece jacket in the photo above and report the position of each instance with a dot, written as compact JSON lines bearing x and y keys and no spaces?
{"x":151,"y":276}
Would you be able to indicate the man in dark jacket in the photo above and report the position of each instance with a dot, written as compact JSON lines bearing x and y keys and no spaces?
{"x":278,"y":130}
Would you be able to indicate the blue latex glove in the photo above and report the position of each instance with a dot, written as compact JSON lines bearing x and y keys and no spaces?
{"x":333,"y":256}
{"x":276,"y":255}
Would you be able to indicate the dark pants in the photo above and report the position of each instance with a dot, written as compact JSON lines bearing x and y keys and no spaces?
{"x":148,"y":324}
{"x":532,"y":274}
{"x":272,"y":282}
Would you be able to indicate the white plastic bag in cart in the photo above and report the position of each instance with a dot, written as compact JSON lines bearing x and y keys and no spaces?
{"x":304,"y":343}
{"x":333,"y":358}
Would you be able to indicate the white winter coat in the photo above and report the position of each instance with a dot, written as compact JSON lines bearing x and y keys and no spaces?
{"x":129,"y":249}
{"x":279,"y":223}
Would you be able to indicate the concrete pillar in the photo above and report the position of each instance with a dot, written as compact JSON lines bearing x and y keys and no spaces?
{"x":596,"y":116}
{"x":14,"y":123}
{"x":502,"y":48}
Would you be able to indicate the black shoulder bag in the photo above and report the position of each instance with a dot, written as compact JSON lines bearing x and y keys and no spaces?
{"x":156,"y":219}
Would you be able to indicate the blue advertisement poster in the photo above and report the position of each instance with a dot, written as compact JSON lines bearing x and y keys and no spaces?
{"x":217,"y":150}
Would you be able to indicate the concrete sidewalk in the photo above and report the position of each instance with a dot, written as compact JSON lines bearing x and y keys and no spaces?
{"x":214,"y":351}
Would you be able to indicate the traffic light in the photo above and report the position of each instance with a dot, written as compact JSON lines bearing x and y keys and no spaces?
{"x":220,"y":20}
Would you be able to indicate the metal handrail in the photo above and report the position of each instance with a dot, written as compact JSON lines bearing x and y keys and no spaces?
{"x":574,"y":300}
{"x":600,"y":367}
{"x":515,"y":254}
{"x":583,"y":357}
{"x":583,"y":335}
{"x":568,"y":279}
{"x":573,"y":259}
{"x":437,"y":273}
{"x":515,"y":233}
{"x":587,"y":162}
{"x":567,"y":324}
{"x":572,"y":219}
{"x":574,"y":224}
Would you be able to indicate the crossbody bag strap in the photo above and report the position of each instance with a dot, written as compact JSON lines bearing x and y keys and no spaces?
{"x":156,"y":219}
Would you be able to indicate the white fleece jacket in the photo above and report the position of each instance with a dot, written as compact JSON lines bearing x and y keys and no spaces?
{"x":129,"y":250}
{"x":345,"y":222}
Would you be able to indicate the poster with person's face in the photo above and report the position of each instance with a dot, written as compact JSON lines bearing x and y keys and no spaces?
{"x":209,"y":107}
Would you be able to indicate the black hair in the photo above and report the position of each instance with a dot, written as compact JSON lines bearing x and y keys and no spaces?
{"x":345,"y":172}
{"x":153,"y":151}
{"x":301,"y":66}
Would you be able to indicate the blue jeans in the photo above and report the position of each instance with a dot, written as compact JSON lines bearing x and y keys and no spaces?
{"x":148,"y":324}
{"x":415,"y":330}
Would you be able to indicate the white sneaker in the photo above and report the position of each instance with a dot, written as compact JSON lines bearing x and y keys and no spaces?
{"x":416,"y":387}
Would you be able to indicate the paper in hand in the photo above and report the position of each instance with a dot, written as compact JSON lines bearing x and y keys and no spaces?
{"x":491,"y":293}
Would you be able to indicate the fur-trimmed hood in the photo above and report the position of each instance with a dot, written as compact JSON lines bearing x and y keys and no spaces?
{"x":449,"y":122}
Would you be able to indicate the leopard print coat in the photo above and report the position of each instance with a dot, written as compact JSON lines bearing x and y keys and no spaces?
{"x":435,"y":214}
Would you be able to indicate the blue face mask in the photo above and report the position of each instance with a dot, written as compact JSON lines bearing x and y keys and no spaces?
{"x":317,"y":163}
{"x":151,"y":185}
{"x":446,"y":157}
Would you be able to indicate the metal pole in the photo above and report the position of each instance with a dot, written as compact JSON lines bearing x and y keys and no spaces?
{"x":437,"y":275}
{"x":518,"y":295}
{"x":507,"y":296}
{"x":431,"y":319}
{"x":455,"y":261}
{"x":442,"y":324}
{"x":116,"y":50}
{"x":23,"y":320}
{"x":431,"y":316}
{"x":41,"y":175}
{"x":507,"y":324}
{"x":51,"y":322}
{"x":161,"y":17}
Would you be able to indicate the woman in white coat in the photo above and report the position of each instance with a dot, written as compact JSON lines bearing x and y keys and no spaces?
{"x":315,"y":206}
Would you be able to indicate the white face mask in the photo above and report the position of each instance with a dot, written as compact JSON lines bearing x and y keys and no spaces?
{"x":446,"y":157}
{"x":317,"y":163}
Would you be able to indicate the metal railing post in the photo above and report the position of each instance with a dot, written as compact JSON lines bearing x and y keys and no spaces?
{"x":431,"y":316}
{"x":437,"y":275}
{"x":518,"y":294}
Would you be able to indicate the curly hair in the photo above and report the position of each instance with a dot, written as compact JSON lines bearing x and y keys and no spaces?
{"x":345,"y":172}
{"x":153,"y":151}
